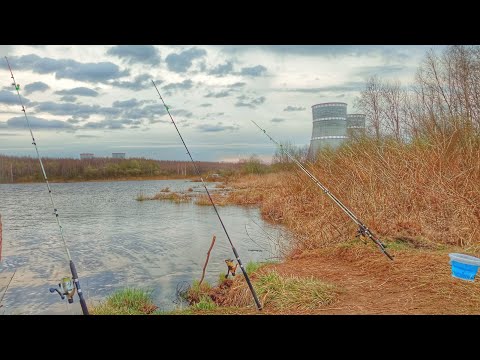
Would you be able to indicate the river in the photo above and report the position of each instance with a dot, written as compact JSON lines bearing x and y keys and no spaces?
{"x":117,"y":242}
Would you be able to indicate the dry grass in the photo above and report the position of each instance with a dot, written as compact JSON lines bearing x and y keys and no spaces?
{"x":171,"y":196}
{"x":423,"y":193}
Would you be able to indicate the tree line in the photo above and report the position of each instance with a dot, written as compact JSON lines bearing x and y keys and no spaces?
{"x":15,"y":169}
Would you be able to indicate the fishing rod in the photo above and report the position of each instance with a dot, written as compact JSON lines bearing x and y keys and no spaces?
{"x":67,"y":285}
{"x":252,"y":290}
{"x":363,"y":230}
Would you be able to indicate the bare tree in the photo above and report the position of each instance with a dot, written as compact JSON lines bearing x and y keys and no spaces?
{"x":370,"y":103}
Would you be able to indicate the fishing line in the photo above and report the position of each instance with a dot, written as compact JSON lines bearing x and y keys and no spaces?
{"x":66,"y":286}
{"x":362,"y":230}
{"x":252,"y":290}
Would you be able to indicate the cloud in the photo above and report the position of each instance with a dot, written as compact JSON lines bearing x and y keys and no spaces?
{"x":244,"y":101}
{"x":345,"y":87}
{"x":180,"y":63}
{"x":205,"y":105}
{"x":216,"y":128}
{"x":236,"y":85}
{"x":322,"y":50}
{"x":9,"y":134}
{"x":68,"y":98}
{"x":181,"y":112}
{"x":254,"y":71}
{"x":277,"y":120}
{"x":38,"y":123}
{"x":75,"y":110}
{"x":146,"y":54}
{"x":294,"y":108}
{"x":107,"y":124}
{"x":81,"y":136}
{"x":381,"y":70}
{"x":140,"y":82}
{"x":220,"y":94}
{"x":78,"y":91}
{"x":11,"y":98}
{"x":222,"y":69}
{"x":69,"y":69}
{"x":36,"y":86}
{"x":127,"y":103}
{"x":184,"y":85}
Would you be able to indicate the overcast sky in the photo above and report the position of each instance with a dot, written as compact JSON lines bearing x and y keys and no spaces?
{"x":100,"y":99}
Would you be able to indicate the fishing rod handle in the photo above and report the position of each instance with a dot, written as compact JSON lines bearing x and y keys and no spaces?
{"x":83,"y":303}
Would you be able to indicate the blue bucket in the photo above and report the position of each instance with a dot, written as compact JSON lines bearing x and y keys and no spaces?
{"x":464,"y":267}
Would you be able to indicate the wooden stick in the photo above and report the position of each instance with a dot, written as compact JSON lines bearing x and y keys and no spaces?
{"x":206,"y":261}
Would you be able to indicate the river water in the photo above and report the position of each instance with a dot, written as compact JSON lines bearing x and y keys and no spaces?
{"x":117,"y":242}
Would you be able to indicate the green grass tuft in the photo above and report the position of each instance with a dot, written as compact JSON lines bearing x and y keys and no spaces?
{"x":127,"y":301}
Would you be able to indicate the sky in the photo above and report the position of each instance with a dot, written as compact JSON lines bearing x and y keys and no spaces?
{"x":100,"y":99}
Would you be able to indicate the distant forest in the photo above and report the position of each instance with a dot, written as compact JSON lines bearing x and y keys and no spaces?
{"x":27,"y":169}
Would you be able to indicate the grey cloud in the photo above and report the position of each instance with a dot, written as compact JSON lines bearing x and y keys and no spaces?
{"x":237,"y":85}
{"x":78,"y":91}
{"x":184,"y":85}
{"x":345,"y":87}
{"x":147,"y":54}
{"x":38,"y":123}
{"x":68,"y":98}
{"x":181,"y":112}
{"x":294,"y":108}
{"x":277,"y":120}
{"x":147,"y":112}
{"x":243,"y":101}
{"x":222,"y":69}
{"x":74,"y":121}
{"x":205,"y":105}
{"x":75,"y":110}
{"x":11,"y":98}
{"x":86,"y":136}
{"x":8,"y":134}
{"x":216,"y":128}
{"x":320,"y":50}
{"x":105,"y":124}
{"x":180,"y":63}
{"x":254,"y":71}
{"x":127,"y":103}
{"x":36,"y":86}
{"x":211,"y":115}
{"x":382,"y":70}
{"x":69,"y":69}
{"x":140,"y":82}
{"x":220,"y":94}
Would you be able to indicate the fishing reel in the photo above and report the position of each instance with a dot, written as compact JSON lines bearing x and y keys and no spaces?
{"x":232,"y":267}
{"x":362,"y":233}
{"x":67,"y":288}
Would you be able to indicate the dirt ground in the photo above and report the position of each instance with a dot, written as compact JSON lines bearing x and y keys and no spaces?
{"x":416,"y":282}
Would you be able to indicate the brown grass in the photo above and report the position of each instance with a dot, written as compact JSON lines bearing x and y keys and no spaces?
{"x":420,"y":193}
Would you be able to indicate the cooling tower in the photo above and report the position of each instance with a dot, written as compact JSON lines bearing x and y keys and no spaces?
{"x":329,"y":126}
{"x":355,"y":125}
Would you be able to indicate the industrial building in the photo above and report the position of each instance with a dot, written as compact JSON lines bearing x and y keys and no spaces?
{"x":332,"y":126}
{"x":118,"y":155}
{"x":86,"y":156}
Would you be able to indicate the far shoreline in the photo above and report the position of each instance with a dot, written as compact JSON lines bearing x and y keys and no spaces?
{"x":143,"y":178}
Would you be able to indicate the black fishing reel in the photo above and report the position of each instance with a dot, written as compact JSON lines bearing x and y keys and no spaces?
{"x":67,"y":288}
{"x":363,"y":232}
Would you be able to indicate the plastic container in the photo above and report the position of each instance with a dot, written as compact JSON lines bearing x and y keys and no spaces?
{"x":464,"y":267}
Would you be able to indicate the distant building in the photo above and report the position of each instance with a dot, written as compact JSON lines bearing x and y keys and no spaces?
{"x":86,"y":156}
{"x":332,"y":126}
{"x":118,"y":155}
